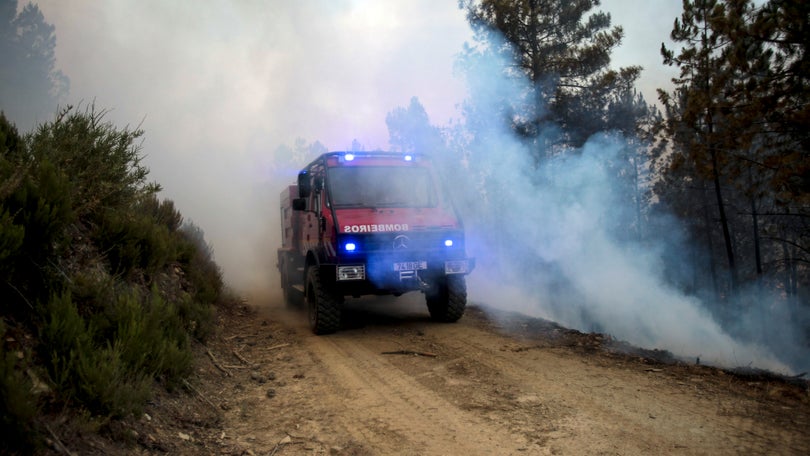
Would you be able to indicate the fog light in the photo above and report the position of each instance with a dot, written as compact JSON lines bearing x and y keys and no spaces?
{"x":455,"y":267}
{"x":357,"y":272}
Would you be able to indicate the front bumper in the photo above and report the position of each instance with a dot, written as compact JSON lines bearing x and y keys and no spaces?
{"x":389,"y":275}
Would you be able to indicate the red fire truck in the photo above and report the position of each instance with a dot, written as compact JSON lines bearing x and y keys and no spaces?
{"x":370,"y":223}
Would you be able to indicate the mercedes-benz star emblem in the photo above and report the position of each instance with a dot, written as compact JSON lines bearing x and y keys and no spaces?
{"x":401,"y":242}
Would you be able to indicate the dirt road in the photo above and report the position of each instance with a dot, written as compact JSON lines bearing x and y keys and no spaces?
{"x":393,"y":382}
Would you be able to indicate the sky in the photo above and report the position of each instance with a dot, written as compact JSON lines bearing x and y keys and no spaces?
{"x":218,"y":85}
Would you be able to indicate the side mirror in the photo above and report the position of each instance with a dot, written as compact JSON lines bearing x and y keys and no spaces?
{"x":304,"y":187}
{"x":299,"y":204}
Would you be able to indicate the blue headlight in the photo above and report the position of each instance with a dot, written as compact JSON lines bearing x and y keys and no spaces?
{"x":350,"y":246}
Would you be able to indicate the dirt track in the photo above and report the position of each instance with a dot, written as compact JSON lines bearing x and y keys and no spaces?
{"x":473,"y":391}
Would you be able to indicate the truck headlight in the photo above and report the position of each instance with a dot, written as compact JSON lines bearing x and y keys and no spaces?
{"x":356,"y":272}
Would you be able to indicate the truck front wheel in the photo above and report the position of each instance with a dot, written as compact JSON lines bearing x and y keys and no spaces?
{"x":447,"y":299}
{"x":322,"y":304}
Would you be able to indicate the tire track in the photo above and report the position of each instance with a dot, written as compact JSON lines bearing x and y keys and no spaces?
{"x":393,"y":413}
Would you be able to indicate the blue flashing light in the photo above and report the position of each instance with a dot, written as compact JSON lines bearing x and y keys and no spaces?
{"x":350,"y":246}
{"x":448,"y":242}
{"x":348,"y":157}
{"x":408,"y":158}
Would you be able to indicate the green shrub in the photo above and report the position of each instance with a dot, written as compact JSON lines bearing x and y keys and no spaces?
{"x":89,"y":371}
{"x":106,"y":384}
{"x":162,"y":212}
{"x":35,"y":210}
{"x":197,"y":317}
{"x":11,"y":239}
{"x":201,"y":270}
{"x":102,"y":161}
{"x":132,"y":242}
{"x":108,"y":361}
{"x":82,"y":238}
{"x":152,"y":337}
{"x":18,"y":406}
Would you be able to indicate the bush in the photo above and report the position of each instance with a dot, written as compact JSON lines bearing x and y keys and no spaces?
{"x":18,"y":406}
{"x":106,"y":362}
{"x":109,"y":277}
{"x":197,"y":257}
{"x":35,"y":209}
{"x":133,"y":241}
{"x":102,"y":161}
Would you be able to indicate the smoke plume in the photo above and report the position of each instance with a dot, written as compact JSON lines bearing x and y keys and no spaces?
{"x":550,"y":242}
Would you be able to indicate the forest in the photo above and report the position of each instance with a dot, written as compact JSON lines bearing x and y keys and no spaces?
{"x":725,"y":151}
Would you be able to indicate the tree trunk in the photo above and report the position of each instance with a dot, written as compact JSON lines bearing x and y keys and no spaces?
{"x":707,"y":222}
{"x":721,"y":207}
{"x":757,"y":248}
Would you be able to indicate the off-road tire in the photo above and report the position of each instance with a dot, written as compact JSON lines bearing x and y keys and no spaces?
{"x":448,"y":299}
{"x":322,"y":304}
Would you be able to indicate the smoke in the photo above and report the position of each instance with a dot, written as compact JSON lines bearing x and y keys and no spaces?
{"x":551,"y":241}
{"x":224,"y":90}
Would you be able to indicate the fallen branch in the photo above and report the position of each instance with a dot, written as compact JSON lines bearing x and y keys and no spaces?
{"x":241,"y":358}
{"x":410,"y":352}
{"x":274,"y":347}
{"x":58,"y":443}
{"x":200,"y":395}
{"x":214,"y":360}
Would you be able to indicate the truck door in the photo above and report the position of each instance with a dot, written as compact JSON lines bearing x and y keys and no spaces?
{"x":310,"y":232}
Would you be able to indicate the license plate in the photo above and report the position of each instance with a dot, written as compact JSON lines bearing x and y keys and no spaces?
{"x":410,"y":265}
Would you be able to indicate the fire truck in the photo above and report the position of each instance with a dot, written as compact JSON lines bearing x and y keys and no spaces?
{"x":370,"y":223}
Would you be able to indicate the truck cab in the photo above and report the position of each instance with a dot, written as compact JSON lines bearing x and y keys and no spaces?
{"x":370,"y":223}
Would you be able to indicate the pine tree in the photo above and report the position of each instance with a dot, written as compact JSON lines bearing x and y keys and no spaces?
{"x":30,"y":84}
{"x":563,"y":49}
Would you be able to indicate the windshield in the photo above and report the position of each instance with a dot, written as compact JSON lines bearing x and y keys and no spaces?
{"x":381,"y":186}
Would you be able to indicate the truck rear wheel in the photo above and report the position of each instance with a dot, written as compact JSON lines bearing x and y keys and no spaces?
{"x":448,"y":299}
{"x":322,"y":304}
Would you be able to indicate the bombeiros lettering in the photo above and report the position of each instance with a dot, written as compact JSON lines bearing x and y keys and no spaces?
{"x":375,"y":228}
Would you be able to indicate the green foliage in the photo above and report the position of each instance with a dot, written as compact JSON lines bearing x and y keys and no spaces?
{"x":35,"y":210}
{"x":108,"y":363}
{"x":162,"y":212}
{"x":133,"y":241}
{"x":11,"y":238}
{"x":102,"y":162}
{"x":204,"y":278}
{"x":94,"y":263}
{"x":18,"y":406}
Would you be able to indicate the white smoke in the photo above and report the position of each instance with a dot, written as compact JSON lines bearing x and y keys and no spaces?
{"x":546,"y":243}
